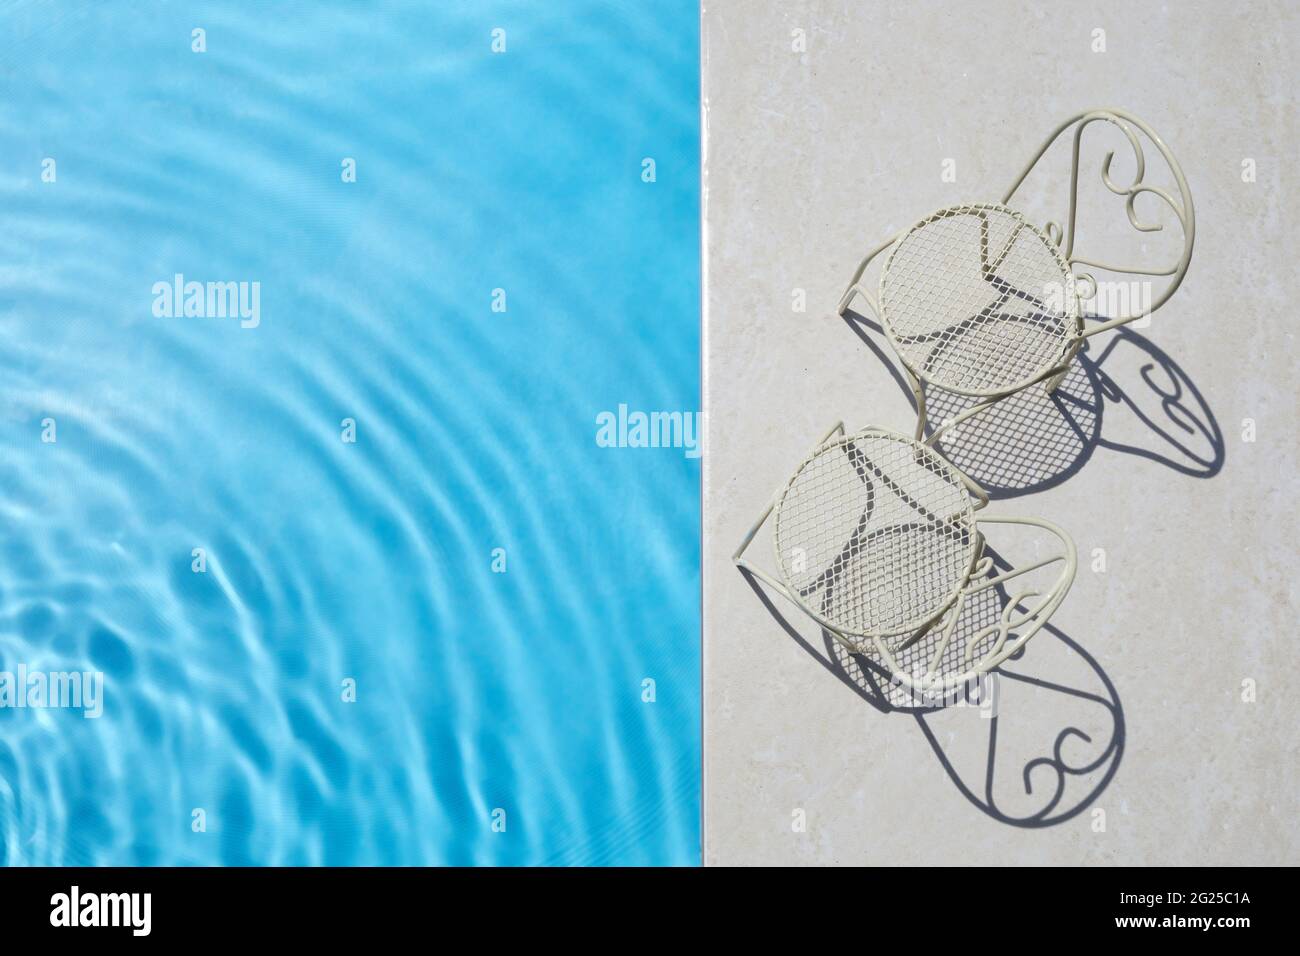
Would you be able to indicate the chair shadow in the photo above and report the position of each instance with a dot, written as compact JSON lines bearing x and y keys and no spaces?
{"x":1028,"y":443}
{"x":872,"y":683}
{"x":1033,"y":441}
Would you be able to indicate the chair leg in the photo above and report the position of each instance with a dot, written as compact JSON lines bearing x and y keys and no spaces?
{"x":1055,"y":381}
{"x":925,"y":629}
{"x":845,"y":299}
{"x":921,"y":420}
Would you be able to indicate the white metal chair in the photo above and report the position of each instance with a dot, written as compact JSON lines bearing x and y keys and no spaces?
{"x":978,"y":301}
{"x":876,"y":540}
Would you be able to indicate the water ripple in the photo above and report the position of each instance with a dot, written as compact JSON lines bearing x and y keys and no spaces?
{"x":370,"y":562}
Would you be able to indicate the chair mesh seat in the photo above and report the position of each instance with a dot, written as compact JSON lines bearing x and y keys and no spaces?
{"x":880,"y":528}
{"x":977,"y":300}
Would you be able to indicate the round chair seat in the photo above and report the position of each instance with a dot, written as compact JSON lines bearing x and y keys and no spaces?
{"x":877,"y":532}
{"x":977,"y":301}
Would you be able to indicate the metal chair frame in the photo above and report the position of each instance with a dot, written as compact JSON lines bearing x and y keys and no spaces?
{"x":1062,"y":240}
{"x":886,"y":645}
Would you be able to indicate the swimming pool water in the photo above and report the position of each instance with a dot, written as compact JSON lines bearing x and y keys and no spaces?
{"x":430,"y":644}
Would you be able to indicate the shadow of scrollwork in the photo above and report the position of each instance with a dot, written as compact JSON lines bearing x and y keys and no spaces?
{"x":873,"y":685}
{"x":1034,"y":440}
{"x":1051,"y":812}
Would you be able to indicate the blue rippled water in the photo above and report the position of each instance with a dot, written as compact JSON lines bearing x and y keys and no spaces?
{"x":499,"y":718}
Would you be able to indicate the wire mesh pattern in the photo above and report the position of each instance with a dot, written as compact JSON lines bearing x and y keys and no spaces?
{"x":864,"y":668}
{"x":1027,"y":441}
{"x":976,"y":299}
{"x":882,"y":527}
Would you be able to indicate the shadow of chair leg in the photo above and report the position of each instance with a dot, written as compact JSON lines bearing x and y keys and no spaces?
{"x":877,"y":700}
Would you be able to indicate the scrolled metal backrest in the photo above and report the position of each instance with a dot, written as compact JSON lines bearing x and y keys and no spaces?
{"x":1181,"y":205}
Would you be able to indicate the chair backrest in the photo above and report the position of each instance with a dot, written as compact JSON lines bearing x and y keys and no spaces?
{"x":1134,"y":130}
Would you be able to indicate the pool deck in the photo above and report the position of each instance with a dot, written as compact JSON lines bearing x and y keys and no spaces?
{"x":1132,"y":721}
